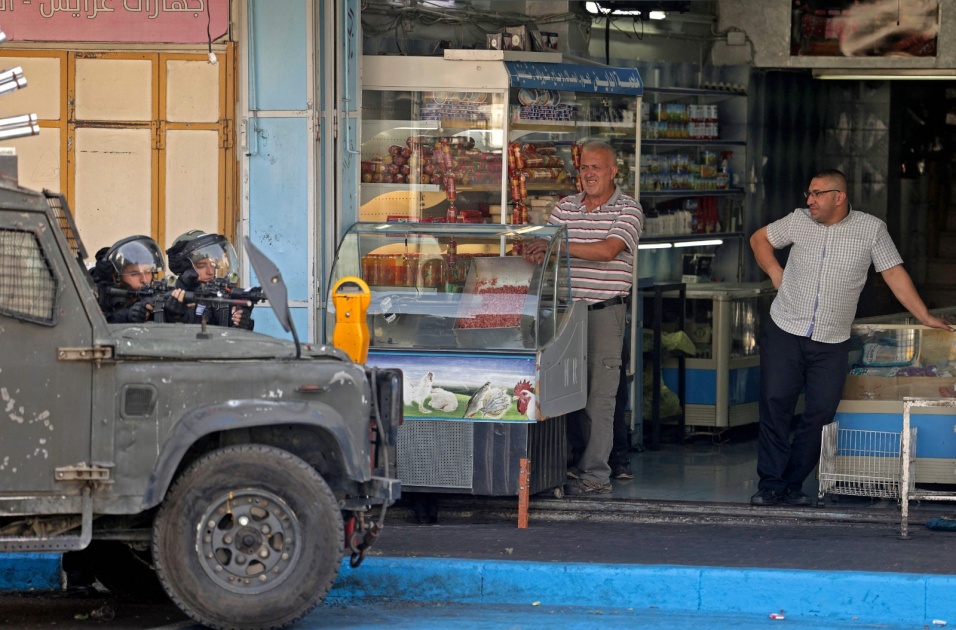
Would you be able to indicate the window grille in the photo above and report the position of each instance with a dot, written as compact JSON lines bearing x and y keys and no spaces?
{"x":28,"y":286}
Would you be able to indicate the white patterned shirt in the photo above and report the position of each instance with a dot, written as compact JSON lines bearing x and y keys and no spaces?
{"x":619,"y":217}
{"x":826,"y":271}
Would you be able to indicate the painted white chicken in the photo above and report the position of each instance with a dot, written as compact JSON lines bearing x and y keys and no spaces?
{"x":443,"y":400}
{"x":417,"y":391}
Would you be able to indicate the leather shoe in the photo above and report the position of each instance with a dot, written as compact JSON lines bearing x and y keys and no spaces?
{"x":796,"y":497}
{"x":765,"y":497}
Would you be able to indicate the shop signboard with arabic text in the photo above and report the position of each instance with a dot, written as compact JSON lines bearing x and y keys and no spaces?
{"x":131,"y":21}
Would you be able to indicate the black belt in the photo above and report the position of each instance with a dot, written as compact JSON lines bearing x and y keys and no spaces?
{"x":614,"y":301}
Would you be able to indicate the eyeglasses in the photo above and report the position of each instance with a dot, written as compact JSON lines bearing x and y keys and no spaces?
{"x":809,"y":194}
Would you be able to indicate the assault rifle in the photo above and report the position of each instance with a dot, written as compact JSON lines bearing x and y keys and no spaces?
{"x":221,"y":288}
{"x":210,"y":294}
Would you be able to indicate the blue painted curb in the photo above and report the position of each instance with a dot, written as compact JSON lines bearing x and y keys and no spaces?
{"x":838,"y":595}
{"x":29,"y":571}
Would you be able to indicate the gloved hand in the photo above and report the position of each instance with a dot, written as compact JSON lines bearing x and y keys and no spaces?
{"x":174,"y":306}
{"x":138,"y":312}
{"x":242,"y":318}
{"x":189,"y":279}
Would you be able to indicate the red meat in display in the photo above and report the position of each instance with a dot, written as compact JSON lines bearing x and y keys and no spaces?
{"x":497,"y":306}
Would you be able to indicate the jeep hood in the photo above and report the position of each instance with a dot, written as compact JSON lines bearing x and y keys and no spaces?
{"x":182,"y":341}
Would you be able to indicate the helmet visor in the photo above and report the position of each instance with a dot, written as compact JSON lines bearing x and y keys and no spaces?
{"x":137,"y":255}
{"x":213,"y":254}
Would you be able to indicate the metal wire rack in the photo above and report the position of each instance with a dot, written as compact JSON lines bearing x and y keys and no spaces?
{"x":908,"y":447}
{"x":862,"y":463}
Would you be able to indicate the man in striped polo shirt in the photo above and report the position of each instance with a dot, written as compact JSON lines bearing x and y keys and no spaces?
{"x":604,"y":226}
{"x":805,"y":341}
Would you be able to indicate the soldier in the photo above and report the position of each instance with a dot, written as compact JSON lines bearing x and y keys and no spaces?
{"x":131,"y":264}
{"x":205,"y":262}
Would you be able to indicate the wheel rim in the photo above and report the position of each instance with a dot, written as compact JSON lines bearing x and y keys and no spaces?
{"x":248,"y":541}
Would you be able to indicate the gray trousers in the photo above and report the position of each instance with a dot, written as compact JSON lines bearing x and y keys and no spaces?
{"x":605,"y":340}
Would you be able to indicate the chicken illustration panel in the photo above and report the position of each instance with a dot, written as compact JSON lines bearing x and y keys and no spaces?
{"x":461,"y":387}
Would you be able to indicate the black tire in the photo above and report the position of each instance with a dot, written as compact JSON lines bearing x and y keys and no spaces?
{"x":248,"y":537}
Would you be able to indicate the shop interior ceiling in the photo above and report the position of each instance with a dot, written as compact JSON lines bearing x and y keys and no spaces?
{"x":425,"y":27}
{"x":707,"y":32}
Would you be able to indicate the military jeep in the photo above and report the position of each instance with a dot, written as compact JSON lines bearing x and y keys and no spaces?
{"x":243,"y":467}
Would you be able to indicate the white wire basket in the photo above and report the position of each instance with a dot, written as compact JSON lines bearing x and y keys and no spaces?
{"x":862,"y":463}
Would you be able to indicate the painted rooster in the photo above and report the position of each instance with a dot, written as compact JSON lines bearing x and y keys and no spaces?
{"x":527,"y":404}
{"x":522,"y":386}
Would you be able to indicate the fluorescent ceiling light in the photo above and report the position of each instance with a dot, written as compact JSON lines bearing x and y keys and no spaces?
{"x":422,"y":125}
{"x":657,"y":15}
{"x":884,"y":74}
{"x":715,"y":241}
{"x":653,"y":245}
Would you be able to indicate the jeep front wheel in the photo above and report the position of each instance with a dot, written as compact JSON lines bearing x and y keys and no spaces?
{"x":248,"y":537}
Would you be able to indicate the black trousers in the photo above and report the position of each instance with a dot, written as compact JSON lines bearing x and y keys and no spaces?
{"x":621,"y":445}
{"x":789,"y":365}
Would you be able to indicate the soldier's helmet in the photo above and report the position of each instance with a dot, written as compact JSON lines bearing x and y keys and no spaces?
{"x":216,"y":250}
{"x":136,"y":253}
{"x":177,"y":262}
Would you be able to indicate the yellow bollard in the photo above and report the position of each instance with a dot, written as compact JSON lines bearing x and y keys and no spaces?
{"x":351,"y":297}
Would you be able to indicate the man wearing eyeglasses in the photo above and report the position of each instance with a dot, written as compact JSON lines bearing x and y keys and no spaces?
{"x":805,"y":341}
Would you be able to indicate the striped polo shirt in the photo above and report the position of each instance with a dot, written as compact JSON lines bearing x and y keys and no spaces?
{"x":826,"y":271}
{"x":619,"y":217}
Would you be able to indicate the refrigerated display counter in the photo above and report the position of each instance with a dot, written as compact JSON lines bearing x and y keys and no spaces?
{"x":492,"y":348}
{"x":723,"y":378}
{"x":891,"y":358}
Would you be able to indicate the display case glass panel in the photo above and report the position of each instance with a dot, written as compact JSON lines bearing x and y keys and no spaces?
{"x":421,"y":148}
{"x":457,"y":287}
{"x":892,"y":357}
{"x":729,"y":314}
{"x":496,"y":144}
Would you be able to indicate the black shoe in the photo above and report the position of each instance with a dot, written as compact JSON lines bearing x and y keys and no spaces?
{"x":796,"y":497}
{"x":766,"y":497}
{"x":582,"y":487}
{"x":621,"y":472}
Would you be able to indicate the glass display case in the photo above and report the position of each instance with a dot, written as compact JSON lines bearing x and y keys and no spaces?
{"x":723,"y":378}
{"x":891,"y":358}
{"x":475,"y":138}
{"x":491,"y":347}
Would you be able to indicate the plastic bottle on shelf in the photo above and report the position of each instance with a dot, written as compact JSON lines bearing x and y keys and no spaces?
{"x":650,"y":218}
{"x":452,"y":252}
{"x":725,"y":166}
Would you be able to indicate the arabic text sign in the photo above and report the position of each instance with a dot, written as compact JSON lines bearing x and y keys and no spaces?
{"x":575,"y":78}
{"x":140,"y":21}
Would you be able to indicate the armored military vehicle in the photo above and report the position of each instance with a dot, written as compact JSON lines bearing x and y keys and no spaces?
{"x":244,"y":467}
